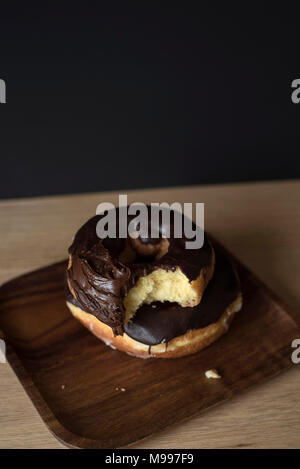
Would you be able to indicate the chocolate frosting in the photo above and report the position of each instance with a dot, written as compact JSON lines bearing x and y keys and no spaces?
{"x":100,"y":279}
{"x":160,"y":322}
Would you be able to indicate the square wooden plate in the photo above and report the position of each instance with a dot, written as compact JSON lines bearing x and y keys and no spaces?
{"x":91,"y":396}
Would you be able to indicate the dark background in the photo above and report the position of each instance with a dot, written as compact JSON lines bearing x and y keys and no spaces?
{"x":138,"y":96}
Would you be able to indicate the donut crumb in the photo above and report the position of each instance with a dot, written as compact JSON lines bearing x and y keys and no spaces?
{"x":212,"y":374}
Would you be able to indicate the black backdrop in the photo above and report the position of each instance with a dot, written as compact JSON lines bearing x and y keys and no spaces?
{"x":138,"y":96}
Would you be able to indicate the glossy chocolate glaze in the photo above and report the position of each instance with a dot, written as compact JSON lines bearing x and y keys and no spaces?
{"x":160,"y":322}
{"x":100,"y":280}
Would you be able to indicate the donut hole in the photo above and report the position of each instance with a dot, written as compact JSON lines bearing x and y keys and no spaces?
{"x":150,"y":249}
{"x":163,"y":285}
{"x":139,"y":250}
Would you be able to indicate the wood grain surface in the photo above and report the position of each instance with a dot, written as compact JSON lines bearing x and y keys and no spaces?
{"x":88,"y":393}
{"x":259,"y":222}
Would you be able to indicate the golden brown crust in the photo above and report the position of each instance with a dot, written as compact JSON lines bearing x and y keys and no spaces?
{"x":191,"y":342}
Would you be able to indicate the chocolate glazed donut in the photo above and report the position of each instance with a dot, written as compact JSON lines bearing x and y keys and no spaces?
{"x":150,"y":297}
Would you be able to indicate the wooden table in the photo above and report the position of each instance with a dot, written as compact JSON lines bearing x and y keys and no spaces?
{"x":259,"y":222}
